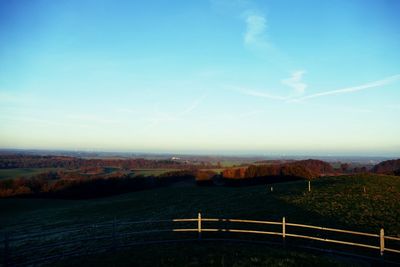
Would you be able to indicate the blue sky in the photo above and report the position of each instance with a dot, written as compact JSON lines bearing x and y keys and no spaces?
{"x":264,"y":77}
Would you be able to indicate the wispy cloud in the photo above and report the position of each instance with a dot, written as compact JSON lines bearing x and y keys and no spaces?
{"x":256,"y":25}
{"x":370,"y":85}
{"x":255,"y":93}
{"x":193,"y":105}
{"x":161,"y":116}
{"x":341,"y":108}
{"x":295,"y":82}
{"x":256,"y":35}
{"x":252,"y":15}
{"x":262,"y":94}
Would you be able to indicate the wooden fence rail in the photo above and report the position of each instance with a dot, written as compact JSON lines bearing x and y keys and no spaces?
{"x":380,"y":244}
{"x":18,"y":247}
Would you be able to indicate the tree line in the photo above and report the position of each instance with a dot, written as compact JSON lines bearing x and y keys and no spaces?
{"x":27,"y":161}
{"x":50,"y":185}
{"x":304,"y":169}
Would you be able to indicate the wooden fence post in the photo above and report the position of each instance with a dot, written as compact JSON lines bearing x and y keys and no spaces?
{"x":382,"y":241}
{"x":199,"y":225}
{"x":283,"y":229}
{"x":6,"y":249}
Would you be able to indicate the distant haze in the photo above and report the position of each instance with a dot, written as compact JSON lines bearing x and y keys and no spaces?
{"x":274,"y":77}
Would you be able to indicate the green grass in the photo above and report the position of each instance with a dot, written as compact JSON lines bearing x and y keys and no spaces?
{"x":216,"y":170}
{"x":230,"y":163}
{"x":29,"y":172}
{"x":23,"y":172}
{"x":108,"y":170}
{"x":343,"y":199}
{"x":333,"y":201}
{"x":337,"y":202}
{"x":151,"y":172}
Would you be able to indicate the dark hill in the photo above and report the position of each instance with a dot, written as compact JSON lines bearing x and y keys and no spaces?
{"x":388,"y":167}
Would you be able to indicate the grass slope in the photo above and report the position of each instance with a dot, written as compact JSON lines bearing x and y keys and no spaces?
{"x":23,"y":172}
{"x":335,"y":201}
{"x":209,"y":254}
{"x":338,"y":202}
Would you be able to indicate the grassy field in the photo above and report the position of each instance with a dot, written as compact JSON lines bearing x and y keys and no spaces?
{"x":23,"y":172}
{"x":210,"y":254}
{"x":29,"y":172}
{"x":151,"y":172}
{"x":338,"y":202}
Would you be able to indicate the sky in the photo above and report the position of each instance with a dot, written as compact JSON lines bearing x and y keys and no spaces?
{"x":271,"y":77}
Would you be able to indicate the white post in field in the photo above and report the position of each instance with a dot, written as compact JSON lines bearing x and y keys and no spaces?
{"x":309,"y":185}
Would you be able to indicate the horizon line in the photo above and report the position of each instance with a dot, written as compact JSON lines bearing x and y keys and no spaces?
{"x":208,"y":153}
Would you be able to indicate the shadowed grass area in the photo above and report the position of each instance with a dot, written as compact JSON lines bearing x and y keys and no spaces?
{"x":209,"y":254}
{"x":338,"y":202}
{"x":335,"y":201}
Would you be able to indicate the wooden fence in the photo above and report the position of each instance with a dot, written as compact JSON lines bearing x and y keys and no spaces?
{"x":379,"y":245}
{"x":46,"y":246}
